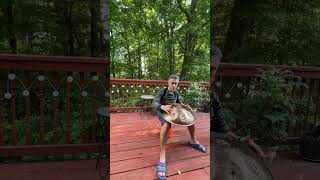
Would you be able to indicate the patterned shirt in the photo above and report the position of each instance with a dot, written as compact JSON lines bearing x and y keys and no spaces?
{"x":164,"y":98}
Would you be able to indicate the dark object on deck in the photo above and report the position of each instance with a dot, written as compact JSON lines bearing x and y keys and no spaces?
{"x":103,"y":138}
{"x":235,"y":160}
{"x":316,"y":132}
{"x":310,"y":145}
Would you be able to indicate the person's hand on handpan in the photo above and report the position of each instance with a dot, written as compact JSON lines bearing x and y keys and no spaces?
{"x":166,"y":108}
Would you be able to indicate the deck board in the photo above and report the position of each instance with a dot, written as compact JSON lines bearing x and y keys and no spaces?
{"x":134,"y":147}
{"x":287,"y":166}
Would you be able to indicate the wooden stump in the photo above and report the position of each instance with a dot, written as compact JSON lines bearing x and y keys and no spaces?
{"x":233,"y":160}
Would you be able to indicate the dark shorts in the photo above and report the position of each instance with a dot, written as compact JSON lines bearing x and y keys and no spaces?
{"x":161,"y":119}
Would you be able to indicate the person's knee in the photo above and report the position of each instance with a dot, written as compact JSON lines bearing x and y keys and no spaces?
{"x":166,"y":125}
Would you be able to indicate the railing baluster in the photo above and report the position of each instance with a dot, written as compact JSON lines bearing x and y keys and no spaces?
{"x":311,"y":87}
{"x":41,"y":106}
{"x":113,"y":104}
{"x":12,"y":91}
{"x":118,"y":94}
{"x":292,"y":130}
{"x":94,"y":107}
{"x":248,"y":80}
{"x":55,"y":110}
{"x":131,"y":91}
{"x":68,"y":124}
{"x":298,"y":126}
{"x":122,"y":89}
{"x":83,"y":98}
{"x":27,"y":105}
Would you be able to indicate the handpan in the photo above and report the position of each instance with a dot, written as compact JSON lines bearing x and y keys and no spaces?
{"x":180,"y":114}
{"x":235,"y":160}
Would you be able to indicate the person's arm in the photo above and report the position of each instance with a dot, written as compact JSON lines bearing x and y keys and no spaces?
{"x":156,"y":101}
{"x":217,"y":120}
{"x":218,"y":124}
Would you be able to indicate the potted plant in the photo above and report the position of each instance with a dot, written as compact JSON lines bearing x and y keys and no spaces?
{"x":269,"y":108}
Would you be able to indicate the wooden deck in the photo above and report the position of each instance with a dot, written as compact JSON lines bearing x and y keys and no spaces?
{"x":134,"y":148}
{"x":50,"y":170}
{"x":135,"y":151}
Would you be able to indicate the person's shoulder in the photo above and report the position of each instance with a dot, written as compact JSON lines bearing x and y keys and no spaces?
{"x":163,"y":90}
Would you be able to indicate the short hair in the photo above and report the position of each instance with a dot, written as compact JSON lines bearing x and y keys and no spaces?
{"x":175,"y":77}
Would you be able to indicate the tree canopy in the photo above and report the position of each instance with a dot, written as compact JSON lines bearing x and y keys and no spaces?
{"x":152,"y":39}
{"x":64,"y":27}
{"x":267,"y":31}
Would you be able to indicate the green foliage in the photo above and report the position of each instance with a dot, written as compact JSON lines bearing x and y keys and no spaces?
{"x":268,"y":32}
{"x":50,"y":27}
{"x":269,"y":107}
{"x":149,"y":39}
{"x":195,"y":95}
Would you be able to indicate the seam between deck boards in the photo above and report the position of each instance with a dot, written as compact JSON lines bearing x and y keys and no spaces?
{"x":171,"y":150}
{"x":188,"y":171}
{"x":198,"y":129}
{"x":144,"y":146}
{"x":155,"y":165}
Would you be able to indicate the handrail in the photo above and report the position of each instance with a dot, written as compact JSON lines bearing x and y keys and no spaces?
{"x":245,"y":70}
{"x":53,"y":63}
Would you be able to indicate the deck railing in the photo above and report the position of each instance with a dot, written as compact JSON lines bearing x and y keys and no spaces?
{"x":126,"y":93}
{"x":231,"y":79}
{"x":48,"y":103}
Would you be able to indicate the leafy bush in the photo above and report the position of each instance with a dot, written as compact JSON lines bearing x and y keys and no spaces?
{"x":195,"y":95}
{"x":269,"y":107}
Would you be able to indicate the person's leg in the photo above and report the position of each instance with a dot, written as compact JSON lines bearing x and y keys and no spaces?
{"x":194,"y":142}
{"x":163,"y":140}
{"x":192,"y":130}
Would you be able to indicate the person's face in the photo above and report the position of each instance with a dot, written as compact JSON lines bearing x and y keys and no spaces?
{"x":172,"y":84}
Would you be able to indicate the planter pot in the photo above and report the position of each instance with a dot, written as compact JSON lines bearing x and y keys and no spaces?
{"x":310,"y":147}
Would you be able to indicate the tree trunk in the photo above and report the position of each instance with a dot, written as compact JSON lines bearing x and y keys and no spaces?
{"x":189,"y":38}
{"x":173,"y":52}
{"x":238,"y":28}
{"x":139,"y":59}
{"x":112,"y":67}
{"x":129,"y":61}
{"x":168,"y":43}
{"x":158,"y":65}
{"x":105,"y":20}
{"x":94,"y":35}
{"x":69,"y":47}
{"x":11,"y":33}
{"x":212,"y":74}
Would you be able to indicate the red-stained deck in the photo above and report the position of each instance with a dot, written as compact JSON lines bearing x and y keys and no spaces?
{"x":135,"y":148}
{"x":135,"y":151}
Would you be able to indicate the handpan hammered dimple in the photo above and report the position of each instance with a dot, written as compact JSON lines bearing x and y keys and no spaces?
{"x":180,"y":115}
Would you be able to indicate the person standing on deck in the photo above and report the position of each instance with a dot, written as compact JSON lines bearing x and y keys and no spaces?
{"x":162,"y":102}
